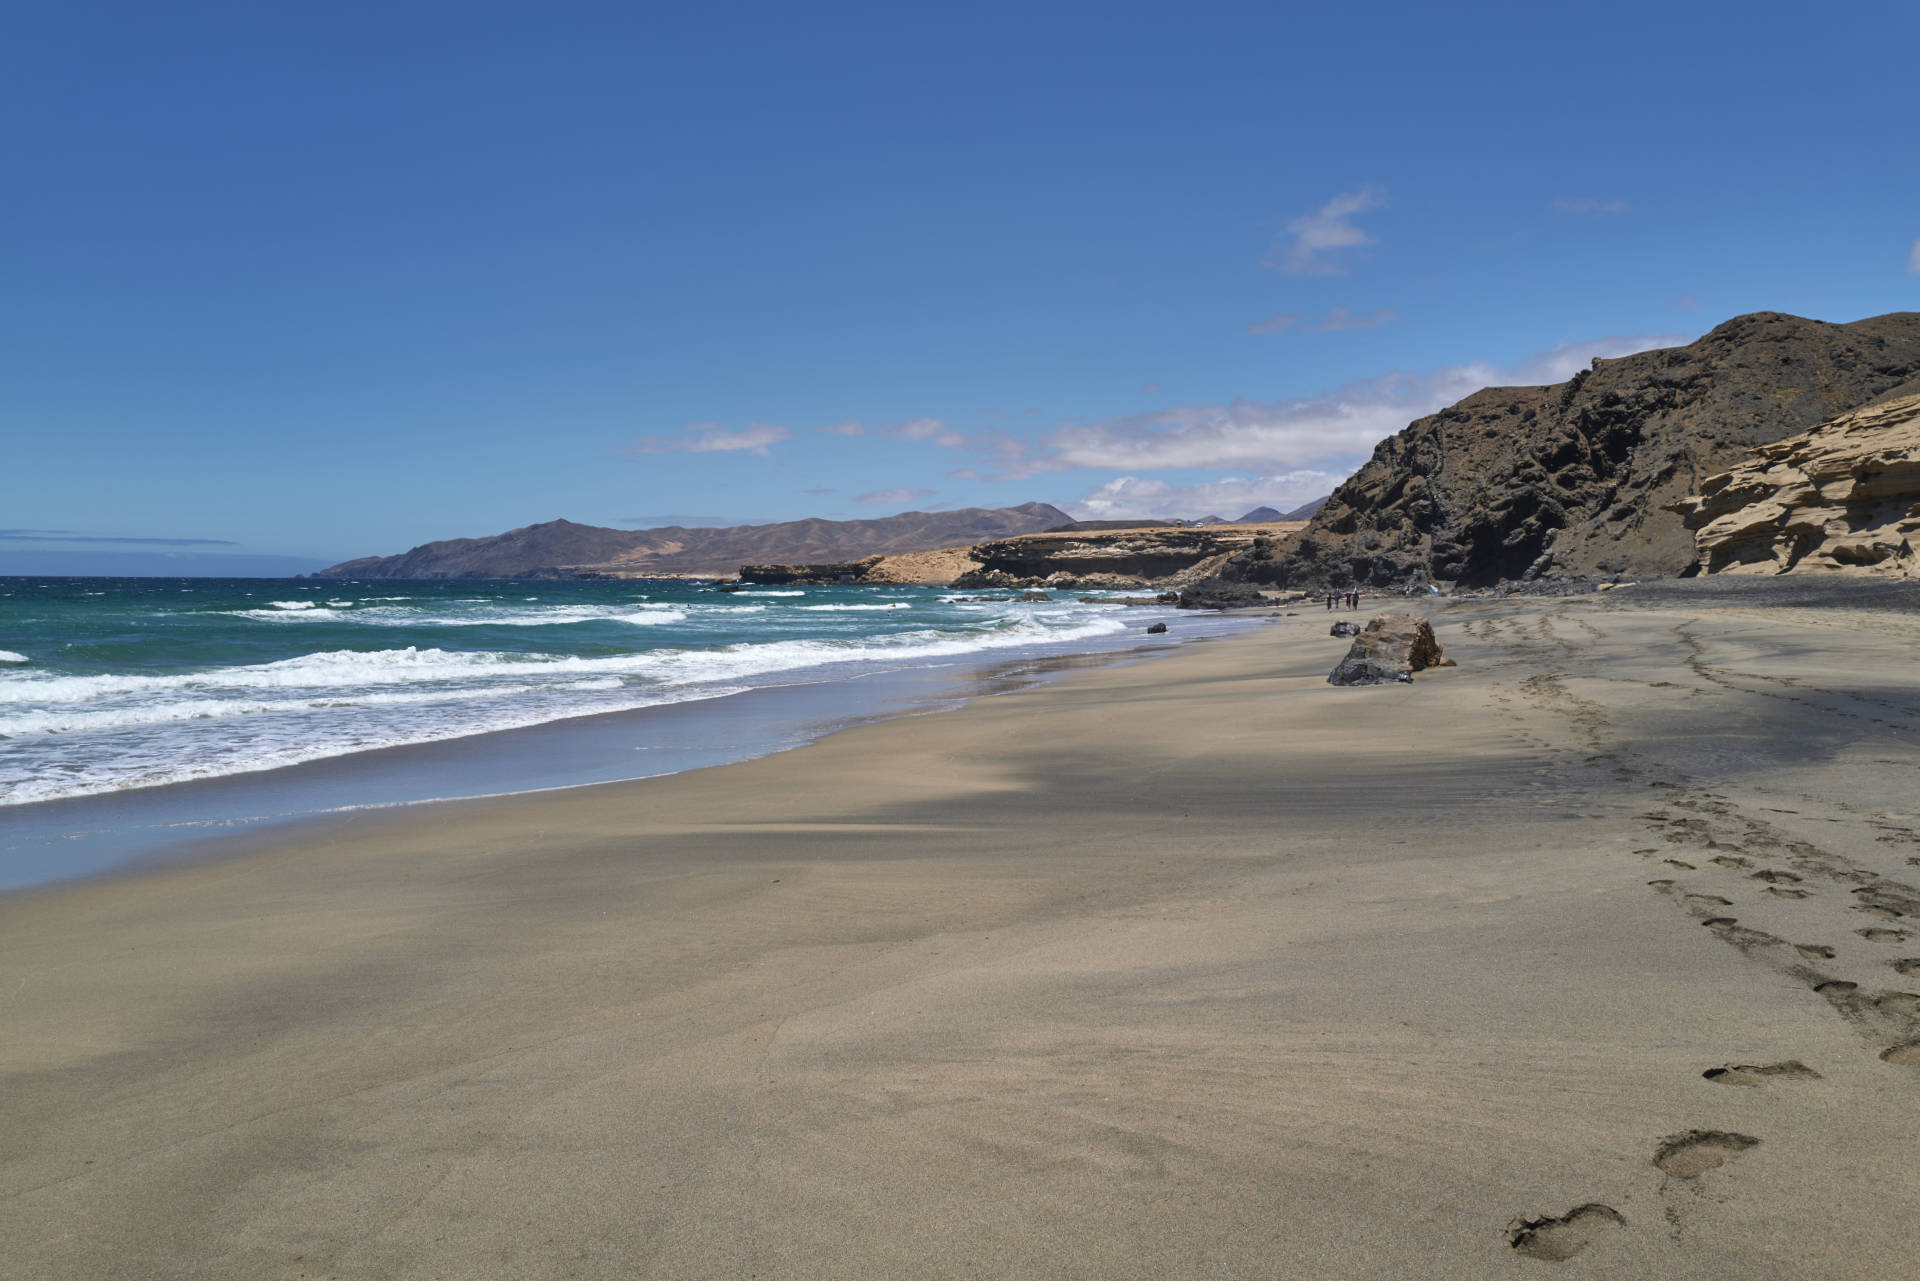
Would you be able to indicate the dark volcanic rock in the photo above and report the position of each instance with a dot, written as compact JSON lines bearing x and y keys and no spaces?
{"x":824,"y":574}
{"x":1515,"y":481}
{"x":1345,"y":629}
{"x":1391,"y":649}
{"x":1156,"y":629}
{"x":1219,"y":595}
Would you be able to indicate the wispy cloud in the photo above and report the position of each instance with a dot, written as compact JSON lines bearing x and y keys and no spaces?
{"x":1323,"y":433}
{"x":1685,"y":302}
{"x":1132,"y":496}
{"x":1913,"y":258}
{"x":1308,"y":240}
{"x":928,"y":429}
{"x":78,"y":536}
{"x":1588,"y":205}
{"x":712,"y":438}
{"x":1337,"y":320}
{"x":1279,"y":324}
{"x":847,"y":428}
{"x":1151,"y":387}
{"x":894,"y":495}
{"x":817,"y":492}
{"x":1562,"y":363}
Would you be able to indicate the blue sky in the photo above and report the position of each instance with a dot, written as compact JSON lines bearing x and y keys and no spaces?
{"x":326,"y":281}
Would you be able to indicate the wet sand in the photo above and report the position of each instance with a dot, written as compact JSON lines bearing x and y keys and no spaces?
{"x":1192,"y":968}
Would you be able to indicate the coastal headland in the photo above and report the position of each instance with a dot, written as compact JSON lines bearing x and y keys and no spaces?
{"x":1594,"y":955}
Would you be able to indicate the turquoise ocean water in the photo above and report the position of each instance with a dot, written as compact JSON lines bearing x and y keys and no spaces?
{"x":113,"y":685}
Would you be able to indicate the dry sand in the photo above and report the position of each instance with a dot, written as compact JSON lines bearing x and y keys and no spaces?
{"x":1190,"y":968}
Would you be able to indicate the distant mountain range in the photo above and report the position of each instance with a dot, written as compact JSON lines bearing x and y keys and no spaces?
{"x":564,"y":549}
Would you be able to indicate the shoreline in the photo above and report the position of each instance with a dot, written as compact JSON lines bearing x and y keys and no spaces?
{"x":1193,"y":968}
{"x":129,"y":831}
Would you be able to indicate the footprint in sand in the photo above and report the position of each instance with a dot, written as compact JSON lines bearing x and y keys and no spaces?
{"x":1907,"y":965}
{"x":1882,"y":913}
{"x":1836,"y":987}
{"x":1690,"y":1155}
{"x":1661,"y":885}
{"x":1711,"y":900}
{"x":1906,"y":1004}
{"x":1730,"y":860}
{"x":1880,"y":935}
{"x":1720,"y":922}
{"x":1777,"y":878}
{"x":1906,"y":1054}
{"x":1814,"y":951}
{"x":1685,"y":867}
{"x":1558,"y":1240}
{"x":1760,"y":1073}
{"x":1781,"y":892}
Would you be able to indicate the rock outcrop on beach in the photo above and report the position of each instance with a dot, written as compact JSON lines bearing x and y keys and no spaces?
{"x":1389,"y":651}
{"x":1138,"y":556}
{"x":1844,"y":497}
{"x":1579,"y":477}
{"x":564,"y":549}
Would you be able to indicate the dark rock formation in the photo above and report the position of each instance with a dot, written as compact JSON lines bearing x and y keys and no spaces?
{"x":1391,"y":649}
{"x":826,"y":574}
{"x":1219,"y":595}
{"x":1344,"y":629}
{"x":1135,"y":556}
{"x":1156,"y":629}
{"x":563,"y":549}
{"x":1306,"y":511}
{"x":1261,"y":515}
{"x":1514,"y":481}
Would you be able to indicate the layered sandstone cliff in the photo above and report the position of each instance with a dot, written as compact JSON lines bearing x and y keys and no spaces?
{"x":1844,"y":496}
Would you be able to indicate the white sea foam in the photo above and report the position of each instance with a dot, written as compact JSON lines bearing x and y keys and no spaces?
{"x":840,"y":608}
{"x":291,"y":604}
{"x":8,"y":656}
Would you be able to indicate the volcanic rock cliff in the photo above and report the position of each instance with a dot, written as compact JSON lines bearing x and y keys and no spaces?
{"x":1844,"y":496}
{"x":1579,"y":476}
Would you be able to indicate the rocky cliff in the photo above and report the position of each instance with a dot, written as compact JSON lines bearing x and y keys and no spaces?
{"x":1844,"y":496}
{"x":563,"y":549}
{"x":1580,"y":476}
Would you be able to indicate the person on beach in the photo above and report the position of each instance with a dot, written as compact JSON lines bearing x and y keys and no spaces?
{"x":1329,"y":602}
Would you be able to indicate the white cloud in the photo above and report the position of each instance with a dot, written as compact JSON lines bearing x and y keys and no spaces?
{"x":1913,"y":258}
{"x":1231,"y":496}
{"x":1685,"y":302}
{"x":1324,"y":433}
{"x":848,"y":428}
{"x":894,"y":495}
{"x":1326,"y":230}
{"x":1588,"y":205}
{"x":1563,"y":363}
{"x":711,"y":438}
{"x":928,"y":429}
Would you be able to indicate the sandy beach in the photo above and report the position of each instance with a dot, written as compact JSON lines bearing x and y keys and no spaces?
{"x":1194,"y":967}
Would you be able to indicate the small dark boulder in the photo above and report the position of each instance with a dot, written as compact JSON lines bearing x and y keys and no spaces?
{"x":1156,"y":629}
{"x":1391,"y":649}
{"x":1344,"y":628}
{"x":1029,"y":596}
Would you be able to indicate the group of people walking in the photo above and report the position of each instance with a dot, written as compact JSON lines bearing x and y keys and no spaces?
{"x":1350,"y":599}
